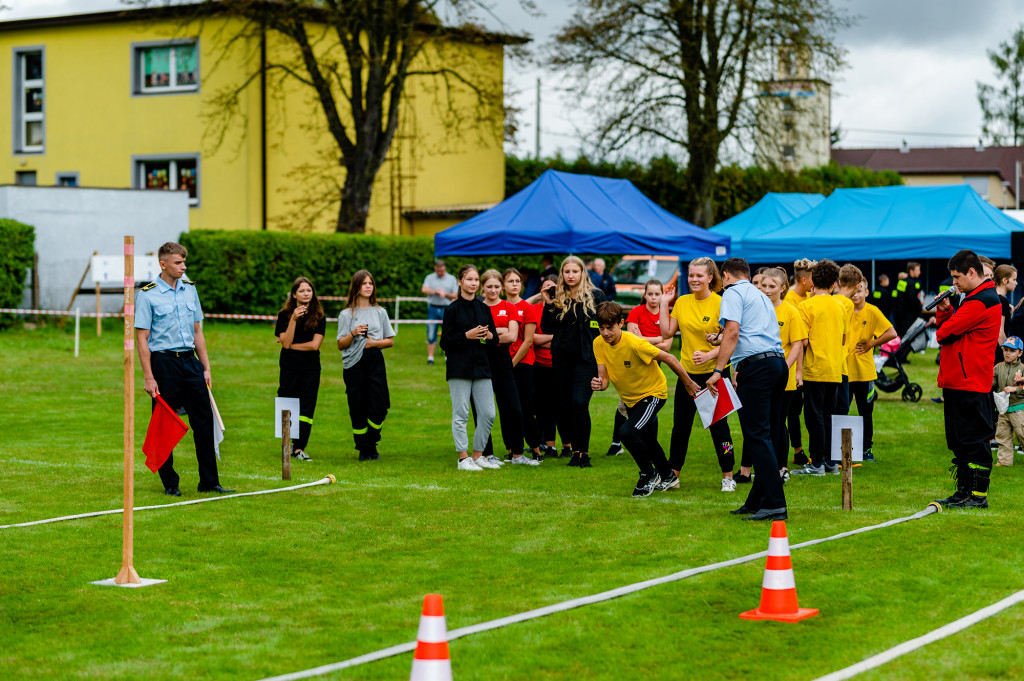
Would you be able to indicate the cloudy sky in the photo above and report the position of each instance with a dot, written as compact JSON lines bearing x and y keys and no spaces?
{"x":911,"y":74}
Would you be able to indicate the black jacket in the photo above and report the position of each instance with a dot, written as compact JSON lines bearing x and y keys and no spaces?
{"x":466,"y":358}
{"x":574,"y":334}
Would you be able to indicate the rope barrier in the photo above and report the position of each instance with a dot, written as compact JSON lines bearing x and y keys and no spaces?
{"x":579,"y":602}
{"x":211,"y":315}
{"x":330,"y":479}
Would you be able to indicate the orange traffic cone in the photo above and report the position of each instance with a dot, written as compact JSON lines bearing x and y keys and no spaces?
{"x":431,"y":661}
{"x":778,"y":590}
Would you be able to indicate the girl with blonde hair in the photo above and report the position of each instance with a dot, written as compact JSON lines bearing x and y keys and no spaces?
{"x":571,"y":319}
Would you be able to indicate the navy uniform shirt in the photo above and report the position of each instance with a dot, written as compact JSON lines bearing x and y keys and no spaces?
{"x":169,"y":314}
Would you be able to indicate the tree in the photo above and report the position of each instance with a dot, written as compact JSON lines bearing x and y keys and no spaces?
{"x":1002,"y":105}
{"x":683,"y":72}
{"x":357,"y":57}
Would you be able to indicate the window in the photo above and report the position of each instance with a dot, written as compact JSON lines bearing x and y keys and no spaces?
{"x":978,"y":183}
{"x":66,"y":180}
{"x":25,"y":177}
{"x":29,"y":112}
{"x":171,"y":173}
{"x":166,"y":67}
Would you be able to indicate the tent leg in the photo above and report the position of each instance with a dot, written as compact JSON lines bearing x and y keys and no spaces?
{"x":874,"y":279}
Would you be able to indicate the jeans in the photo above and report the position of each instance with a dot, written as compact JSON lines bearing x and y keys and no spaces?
{"x":434,"y":312}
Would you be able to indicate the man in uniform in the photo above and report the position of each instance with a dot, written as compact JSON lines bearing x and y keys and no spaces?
{"x":881,"y":297}
{"x":172,"y":352}
{"x":907,"y":299}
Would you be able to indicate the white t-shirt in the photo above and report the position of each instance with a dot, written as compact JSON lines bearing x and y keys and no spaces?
{"x":378,"y":327}
{"x":449,"y":284}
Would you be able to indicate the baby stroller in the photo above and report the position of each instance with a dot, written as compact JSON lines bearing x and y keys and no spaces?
{"x":889,"y":364}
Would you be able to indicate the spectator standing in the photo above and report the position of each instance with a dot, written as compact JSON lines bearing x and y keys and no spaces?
{"x":881,"y":297}
{"x":1007,"y":379}
{"x":907,"y":299}
{"x":798,"y":293}
{"x":441,"y":289}
{"x":849,"y":279}
{"x":301,"y":327}
{"x":364,"y":332}
{"x":544,"y":391}
{"x":869,"y":329}
{"x":602,"y":280}
{"x":523,"y":358}
{"x":968,"y":336}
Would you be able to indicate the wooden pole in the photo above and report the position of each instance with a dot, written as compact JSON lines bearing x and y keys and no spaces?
{"x":127,"y":575}
{"x":78,"y":328}
{"x":99,"y":320}
{"x":847,"y":469}
{"x":286,"y":445}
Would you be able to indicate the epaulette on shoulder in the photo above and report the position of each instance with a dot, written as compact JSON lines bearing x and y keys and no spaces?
{"x":187,"y":281}
{"x":148,"y":286}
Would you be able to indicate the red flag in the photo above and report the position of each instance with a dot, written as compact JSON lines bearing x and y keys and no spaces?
{"x":165,"y":431}
{"x":728,"y":401}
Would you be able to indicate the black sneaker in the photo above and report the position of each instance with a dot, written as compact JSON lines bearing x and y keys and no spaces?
{"x":585,"y":461}
{"x":972,"y":501}
{"x":614,"y":450}
{"x":538,"y":455}
{"x":646,"y":484}
{"x":800,"y":458}
{"x":566,"y":451}
{"x":868,"y":456}
{"x":671,"y":482}
{"x":742,"y":479}
{"x":574,"y":462}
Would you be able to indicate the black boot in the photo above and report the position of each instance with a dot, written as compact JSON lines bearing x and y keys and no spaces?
{"x":962,"y":475}
{"x":978,"y":498}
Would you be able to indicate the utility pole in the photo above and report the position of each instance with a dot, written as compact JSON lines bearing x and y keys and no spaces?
{"x":536,"y":147}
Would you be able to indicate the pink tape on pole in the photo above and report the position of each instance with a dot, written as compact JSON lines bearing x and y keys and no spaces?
{"x":129,"y":249}
{"x":129,"y":282}
{"x":129,"y":310}
{"x":129,"y":344}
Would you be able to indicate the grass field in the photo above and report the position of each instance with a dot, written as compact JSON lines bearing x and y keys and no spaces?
{"x":267,"y":585}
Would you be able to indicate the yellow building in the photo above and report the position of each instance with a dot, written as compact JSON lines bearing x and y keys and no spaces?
{"x":134,"y":99}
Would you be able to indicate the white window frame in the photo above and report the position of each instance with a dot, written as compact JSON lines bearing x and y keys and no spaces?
{"x":22,"y":117}
{"x":139,"y":86}
{"x":139,"y":171}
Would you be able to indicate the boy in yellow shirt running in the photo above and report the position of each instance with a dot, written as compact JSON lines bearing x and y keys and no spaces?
{"x":630,"y":364}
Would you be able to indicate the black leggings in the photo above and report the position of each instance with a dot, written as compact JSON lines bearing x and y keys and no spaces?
{"x":639,"y":434}
{"x":864,"y":393}
{"x":684,"y":411}
{"x":304,"y":385}
{"x":573,"y":375}
{"x":795,"y":406}
{"x":506,"y":396}
{"x":524,"y":387}
{"x":780,"y":444}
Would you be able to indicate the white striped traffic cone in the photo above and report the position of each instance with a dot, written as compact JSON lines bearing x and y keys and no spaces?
{"x":431,"y":661}
{"x":778,"y":589}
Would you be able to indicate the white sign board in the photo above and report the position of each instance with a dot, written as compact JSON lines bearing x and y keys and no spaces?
{"x":854,"y":423}
{"x":110,"y":268}
{"x":286,"y":404}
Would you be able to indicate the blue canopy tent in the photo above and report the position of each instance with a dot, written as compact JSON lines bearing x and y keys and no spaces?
{"x":773,"y":211}
{"x":567,"y":213}
{"x":889,"y":223}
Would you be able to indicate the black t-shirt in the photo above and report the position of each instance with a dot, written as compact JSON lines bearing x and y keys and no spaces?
{"x":299,"y":359}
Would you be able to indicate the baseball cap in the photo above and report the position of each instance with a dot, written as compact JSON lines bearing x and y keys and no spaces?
{"x":1014,"y":343}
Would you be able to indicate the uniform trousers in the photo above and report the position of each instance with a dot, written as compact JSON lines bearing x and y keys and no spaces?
{"x":305,"y":385}
{"x":760,"y":386}
{"x":181,"y":384}
{"x":366,"y":387}
{"x":573,"y":375}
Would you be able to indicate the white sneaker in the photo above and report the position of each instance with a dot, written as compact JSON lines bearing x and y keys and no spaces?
{"x":494,"y":459}
{"x":468,"y":464}
{"x":524,"y":461}
{"x":728,"y":485}
{"x":482,"y":462}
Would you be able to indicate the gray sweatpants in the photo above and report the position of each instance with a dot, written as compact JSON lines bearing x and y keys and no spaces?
{"x":483,"y":397}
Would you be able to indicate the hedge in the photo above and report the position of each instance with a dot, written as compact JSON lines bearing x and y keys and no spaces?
{"x":17,"y":243}
{"x":247,"y":272}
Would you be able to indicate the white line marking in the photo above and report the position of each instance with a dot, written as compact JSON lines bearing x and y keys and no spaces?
{"x":921,"y":641}
{"x":575,"y":603}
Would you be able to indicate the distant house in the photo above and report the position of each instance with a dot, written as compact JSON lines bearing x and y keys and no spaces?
{"x":990,"y":171}
{"x":123,"y":99}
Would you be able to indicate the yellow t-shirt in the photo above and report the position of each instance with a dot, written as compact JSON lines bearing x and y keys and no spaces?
{"x":848,"y":310}
{"x":696,"y":318}
{"x":794,"y":298}
{"x":791,"y":330}
{"x":826,"y":325}
{"x":631,"y":368}
{"x":867,"y":324}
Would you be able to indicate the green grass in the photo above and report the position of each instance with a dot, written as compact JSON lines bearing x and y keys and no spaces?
{"x":272,"y":584}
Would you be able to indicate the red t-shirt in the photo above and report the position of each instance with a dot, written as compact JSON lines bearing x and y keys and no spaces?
{"x":648,"y":322}
{"x":502,"y":313}
{"x":542,"y":356}
{"x":527,"y":315}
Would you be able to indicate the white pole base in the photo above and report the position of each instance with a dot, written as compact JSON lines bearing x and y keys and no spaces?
{"x":142,"y":582}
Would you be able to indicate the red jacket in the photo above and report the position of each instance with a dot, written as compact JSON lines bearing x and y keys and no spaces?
{"x":969,"y":336}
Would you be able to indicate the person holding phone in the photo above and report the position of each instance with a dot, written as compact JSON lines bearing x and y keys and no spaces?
{"x":300,"y":330}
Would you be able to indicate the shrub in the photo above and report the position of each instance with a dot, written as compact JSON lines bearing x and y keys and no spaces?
{"x":17,"y":243}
